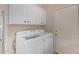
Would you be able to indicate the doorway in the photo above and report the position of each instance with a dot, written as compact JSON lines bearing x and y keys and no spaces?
{"x":1,"y":32}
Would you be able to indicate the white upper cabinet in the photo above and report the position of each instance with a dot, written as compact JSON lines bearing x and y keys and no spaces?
{"x":26,"y":14}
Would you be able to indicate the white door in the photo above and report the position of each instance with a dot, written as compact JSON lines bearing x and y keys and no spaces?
{"x":1,"y":32}
{"x":66,"y":30}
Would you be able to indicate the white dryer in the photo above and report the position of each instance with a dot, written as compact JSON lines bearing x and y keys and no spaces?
{"x":34,"y":42}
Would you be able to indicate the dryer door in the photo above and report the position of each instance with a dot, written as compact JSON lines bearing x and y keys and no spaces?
{"x":31,"y":46}
{"x":34,"y":46}
{"x":48,"y":44}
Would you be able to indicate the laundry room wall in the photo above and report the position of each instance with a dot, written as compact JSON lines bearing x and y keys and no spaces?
{"x":10,"y":30}
{"x":50,"y":9}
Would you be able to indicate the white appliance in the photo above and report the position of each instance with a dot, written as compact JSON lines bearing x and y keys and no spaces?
{"x":34,"y":42}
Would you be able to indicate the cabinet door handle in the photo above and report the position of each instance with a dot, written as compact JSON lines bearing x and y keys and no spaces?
{"x":28,"y":21}
{"x":25,"y":21}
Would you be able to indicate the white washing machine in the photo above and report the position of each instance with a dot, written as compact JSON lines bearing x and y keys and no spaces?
{"x":34,"y":42}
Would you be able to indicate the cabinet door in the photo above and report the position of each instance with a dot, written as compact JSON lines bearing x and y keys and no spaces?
{"x":25,"y":14}
{"x":39,"y":16}
{"x":16,"y":14}
{"x":43,"y":17}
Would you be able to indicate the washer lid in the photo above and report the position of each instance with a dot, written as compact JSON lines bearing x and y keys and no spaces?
{"x":29,"y":33}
